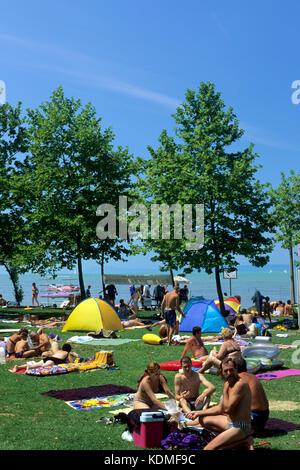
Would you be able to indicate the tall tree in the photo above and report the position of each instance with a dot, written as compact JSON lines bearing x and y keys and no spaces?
{"x":286,"y":216}
{"x":73,"y":169}
{"x":203,"y":165}
{"x":13,"y":144}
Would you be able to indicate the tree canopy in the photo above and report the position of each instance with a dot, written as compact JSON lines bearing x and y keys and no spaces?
{"x":202,"y":165}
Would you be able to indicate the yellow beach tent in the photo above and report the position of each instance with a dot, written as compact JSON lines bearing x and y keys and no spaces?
{"x":93,"y":315}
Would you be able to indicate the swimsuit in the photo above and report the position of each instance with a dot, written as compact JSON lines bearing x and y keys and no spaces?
{"x":149,"y":403}
{"x":200,"y":405}
{"x":259,"y":418}
{"x":243,"y":425}
{"x":170,"y":317}
{"x":56,"y":360}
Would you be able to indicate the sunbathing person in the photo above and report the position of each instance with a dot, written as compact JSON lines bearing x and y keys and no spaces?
{"x":259,"y":401}
{"x":195,"y":345}
{"x":40,"y":343}
{"x":176,"y":339}
{"x":21,"y":335}
{"x":231,"y":417}
{"x":125,"y":312}
{"x":230,"y":348}
{"x":149,"y":385}
{"x":48,"y":323}
{"x":288,"y":308}
{"x":187,"y":384}
{"x":63,"y":356}
{"x":130,"y":323}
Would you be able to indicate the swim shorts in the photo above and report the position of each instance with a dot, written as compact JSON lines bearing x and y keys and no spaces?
{"x":259,"y":419}
{"x":192,"y":404}
{"x":170,"y":317}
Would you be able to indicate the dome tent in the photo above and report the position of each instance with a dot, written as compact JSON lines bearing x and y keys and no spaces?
{"x":93,"y":315}
{"x":204,"y":313}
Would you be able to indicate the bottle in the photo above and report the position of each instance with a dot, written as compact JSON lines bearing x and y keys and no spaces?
{"x":2,"y":355}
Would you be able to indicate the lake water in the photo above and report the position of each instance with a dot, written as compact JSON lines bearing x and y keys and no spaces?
{"x":273,"y":281}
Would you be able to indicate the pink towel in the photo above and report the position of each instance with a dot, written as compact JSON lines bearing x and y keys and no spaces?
{"x":278,"y":374}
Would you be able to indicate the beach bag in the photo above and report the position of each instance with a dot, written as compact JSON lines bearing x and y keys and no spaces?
{"x":186,"y":441}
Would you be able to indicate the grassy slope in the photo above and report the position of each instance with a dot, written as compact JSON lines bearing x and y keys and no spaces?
{"x":29,"y":420}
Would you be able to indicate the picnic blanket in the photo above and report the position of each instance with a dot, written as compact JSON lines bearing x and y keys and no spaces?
{"x":102,"y":360}
{"x":98,"y":402}
{"x":89,"y":392}
{"x":278,"y":374}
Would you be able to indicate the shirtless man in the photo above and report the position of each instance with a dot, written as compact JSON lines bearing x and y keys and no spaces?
{"x":42,"y":344}
{"x":231,"y":418}
{"x":169,"y":306}
{"x":259,"y":402}
{"x":195,"y":345}
{"x":12,"y":345}
{"x":288,"y":309}
{"x":62,"y":356}
{"x":187,"y":385}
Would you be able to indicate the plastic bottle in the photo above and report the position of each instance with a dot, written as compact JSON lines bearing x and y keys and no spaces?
{"x":2,"y":355}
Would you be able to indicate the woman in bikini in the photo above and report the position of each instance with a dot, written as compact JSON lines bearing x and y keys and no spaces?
{"x":133,"y":303}
{"x":35,"y":292}
{"x":149,"y":386}
{"x":230,"y":348}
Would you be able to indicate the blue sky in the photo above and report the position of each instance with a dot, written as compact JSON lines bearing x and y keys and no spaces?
{"x":135,"y":60}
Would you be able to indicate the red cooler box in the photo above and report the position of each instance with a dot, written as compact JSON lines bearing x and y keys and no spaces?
{"x":151,"y":430}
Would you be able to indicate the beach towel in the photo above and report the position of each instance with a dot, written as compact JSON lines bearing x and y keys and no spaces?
{"x":275,"y":424}
{"x":20,"y":371}
{"x":102,"y":360}
{"x":89,"y":392}
{"x":278,"y":374}
{"x":98,"y":402}
{"x":100,"y":341}
{"x":51,"y":370}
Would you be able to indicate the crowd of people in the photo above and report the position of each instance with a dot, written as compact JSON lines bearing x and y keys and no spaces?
{"x":243,"y":409}
{"x":25,"y":345}
{"x":242,"y":412}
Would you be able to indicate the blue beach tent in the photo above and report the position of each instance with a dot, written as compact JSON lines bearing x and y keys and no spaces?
{"x":204,"y":313}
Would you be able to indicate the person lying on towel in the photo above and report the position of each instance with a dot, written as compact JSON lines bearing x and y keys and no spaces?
{"x":63,"y":356}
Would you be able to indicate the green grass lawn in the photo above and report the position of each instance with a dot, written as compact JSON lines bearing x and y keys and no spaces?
{"x":32,"y":421}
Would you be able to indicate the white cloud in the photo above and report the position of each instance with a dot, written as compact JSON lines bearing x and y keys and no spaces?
{"x":97,"y":80}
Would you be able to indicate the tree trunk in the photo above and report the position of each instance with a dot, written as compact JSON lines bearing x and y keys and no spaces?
{"x":102,"y":272}
{"x":80,"y":277}
{"x":219,"y":290}
{"x":292,"y":277}
{"x":14,"y":277}
{"x":172,"y":276}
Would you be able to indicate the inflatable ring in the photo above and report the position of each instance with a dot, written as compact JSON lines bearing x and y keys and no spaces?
{"x":176,"y":365}
{"x":258,"y":350}
{"x":253,"y":365}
